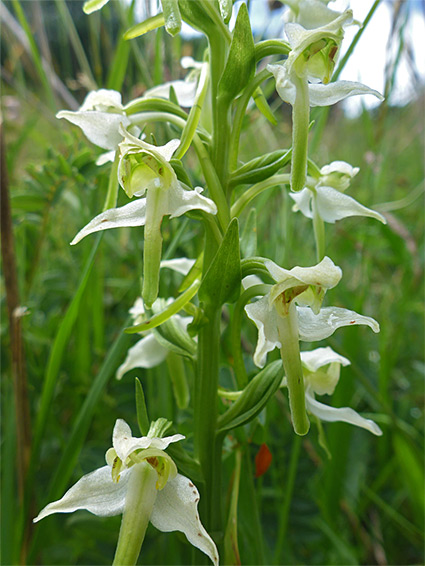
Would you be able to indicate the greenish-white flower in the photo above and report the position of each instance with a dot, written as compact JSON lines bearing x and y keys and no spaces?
{"x":108,"y":490}
{"x":100,"y":117}
{"x":321,"y":370}
{"x":305,"y":287}
{"x":185,"y":90}
{"x":310,"y":13}
{"x":326,"y":195}
{"x":145,"y":169}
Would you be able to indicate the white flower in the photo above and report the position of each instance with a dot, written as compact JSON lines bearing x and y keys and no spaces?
{"x":306,"y":287}
{"x":319,"y":94}
{"x":310,"y":13}
{"x":148,"y":352}
{"x":100,"y":117}
{"x":145,"y":168}
{"x":321,"y":369}
{"x":327,"y":196}
{"x":104,"y":492}
{"x":185,"y":90}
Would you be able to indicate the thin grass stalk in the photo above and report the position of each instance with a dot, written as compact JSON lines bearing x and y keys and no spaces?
{"x":19,"y":377}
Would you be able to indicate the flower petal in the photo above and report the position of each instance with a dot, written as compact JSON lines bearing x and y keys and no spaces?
{"x":264,"y":317}
{"x":302,"y":201}
{"x":185,"y":92}
{"x":125,"y":443}
{"x":182,"y":264}
{"x":314,"y":327}
{"x":325,"y":274}
{"x":131,"y":214}
{"x":101,"y":128}
{"x":176,"y":509}
{"x":333,"y":205}
{"x":103,"y":100}
{"x":181,"y":201}
{"x":320,"y":357}
{"x":146,"y":353}
{"x":95,"y":492}
{"x":342,"y":414}
{"x":326,"y":95}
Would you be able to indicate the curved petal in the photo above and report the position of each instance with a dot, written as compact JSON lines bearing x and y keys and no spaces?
{"x":176,"y":509}
{"x":284,"y":86}
{"x":95,"y":492}
{"x":342,"y":414}
{"x":302,"y":201}
{"x":107,"y":157}
{"x":264,"y":317}
{"x":181,"y":201}
{"x":325,"y":274}
{"x":146,"y":353}
{"x":101,"y":128}
{"x":314,"y":327}
{"x":131,"y":214}
{"x":333,"y":205}
{"x":182,"y":264}
{"x":315,"y":359}
{"x":125,"y":443}
{"x":326,"y":95}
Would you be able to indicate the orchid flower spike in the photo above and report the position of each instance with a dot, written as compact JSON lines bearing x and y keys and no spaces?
{"x":100,"y":117}
{"x":292,"y":311}
{"x":321,"y":369}
{"x":326,"y":198}
{"x":145,"y":168}
{"x":141,"y":482}
{"x":302,"y":81}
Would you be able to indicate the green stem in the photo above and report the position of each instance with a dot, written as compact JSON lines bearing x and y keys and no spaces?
{"x":139,"y":502}
{"x":177,"y":375}
{"x":152,"y":247}
{"x":285,"y":508}
{"x":206,"y":416}
{"x":257,"y":189}
{"x":300,"y":123}
{"x":241,"y":106}
{"x":290,"y":352}
{"x":319,"y":231}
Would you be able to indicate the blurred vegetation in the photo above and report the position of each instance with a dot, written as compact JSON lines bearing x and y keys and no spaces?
{"x":363,"y":503}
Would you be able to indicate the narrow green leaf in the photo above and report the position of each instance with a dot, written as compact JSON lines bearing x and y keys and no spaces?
{"x":253,"y":398}
{"x":119,"y":65}
{"x":261,"y":168}
{"x":263,"y":106}
{"x":167,"y":313}
{"x":148,"y":25}
{"x":142,"y":412}
{"x":221,"y":283}
{"x":57,"y":351}
{"x":172,"y":17}
{"x":240,"y":65}
{"x":249,"y":235}
{"x":91,"y":6}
